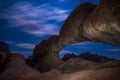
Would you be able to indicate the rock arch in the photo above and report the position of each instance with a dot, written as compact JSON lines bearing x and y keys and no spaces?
{"x":87,"y":22}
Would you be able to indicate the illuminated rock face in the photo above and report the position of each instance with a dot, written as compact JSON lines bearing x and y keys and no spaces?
{"x":87,"y":22}
{"x":93,"y":23}
{"x":103,"y":25}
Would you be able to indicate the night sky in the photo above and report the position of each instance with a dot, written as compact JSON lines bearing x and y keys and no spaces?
{"x":25,"y":23}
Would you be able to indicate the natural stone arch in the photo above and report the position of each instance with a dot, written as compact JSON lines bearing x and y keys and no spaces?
{"x":87,"y":22}
{"x":92,"y":23}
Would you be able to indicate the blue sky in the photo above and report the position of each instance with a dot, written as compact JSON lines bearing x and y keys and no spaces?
{"x":24,"y":23}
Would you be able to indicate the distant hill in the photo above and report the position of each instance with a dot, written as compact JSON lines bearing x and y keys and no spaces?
{"x":87,"y":56}
{"x":75,"y":65}
{"x":79,"y":64}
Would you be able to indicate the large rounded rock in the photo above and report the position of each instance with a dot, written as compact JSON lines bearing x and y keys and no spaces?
{"x":44,"y":55}
{"x":17,"y":69}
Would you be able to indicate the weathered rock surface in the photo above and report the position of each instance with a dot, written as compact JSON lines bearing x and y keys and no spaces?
{"x":76,"y":65}
{"x":103,"y":25}
{"x":79,"y":64}
{"x":4,"y":53}
{"x":17,"y":69}
{"x":87,"y":22}
{"x":45,"y":60}
{"x":104,"y":74}
{"x":3,"y":57}
{"x":3,"y":61}
{"x":72,"y":29}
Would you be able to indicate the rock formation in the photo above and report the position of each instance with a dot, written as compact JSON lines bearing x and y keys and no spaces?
{"x":87,"y":22}
{"x":17,"y":69}
{"x":4,"y":53}
{"x":104,"y":74}
{"x":79,"y":64}
{"x":103,"y":24}
{"x":43,"y":56}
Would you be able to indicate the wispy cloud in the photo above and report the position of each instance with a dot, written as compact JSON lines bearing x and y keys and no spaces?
{"x":26,"y":45}
{"x":114,"y":50}
{"x":22,"y":45}
{"x":63,"y":52}
{"x":35,"y":19}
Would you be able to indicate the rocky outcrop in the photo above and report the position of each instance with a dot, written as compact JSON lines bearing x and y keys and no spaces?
{"x":79,"y":64}
{"x":3,"y":57}
{"x":87,"y":22}
{"x":76,"y":65}
{"x":4,"y":53}
{"x":103,"y":24}
{"x":72,"y":29}
{"x":44,"y":57}
{"x":17,"y":69}
{"x":46,"y":46}
{"x":92,"y":23}
{"x":3,"y":61}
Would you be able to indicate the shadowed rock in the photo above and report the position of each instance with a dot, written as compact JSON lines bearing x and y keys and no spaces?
{"x":17,"y":69}
{"x":3,"y":57}
{"x":3,"y":61}
{"x":44,"y":57}
{"x":4,"y":53}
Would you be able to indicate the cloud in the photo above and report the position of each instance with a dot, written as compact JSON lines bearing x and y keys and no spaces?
{"x":64,"y":51}
{"x":22,"y":45}
{"x":114,"y":50}
{"x":44,"y":29}
{"x":26,"y":45}
{"x":35,"y":20}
